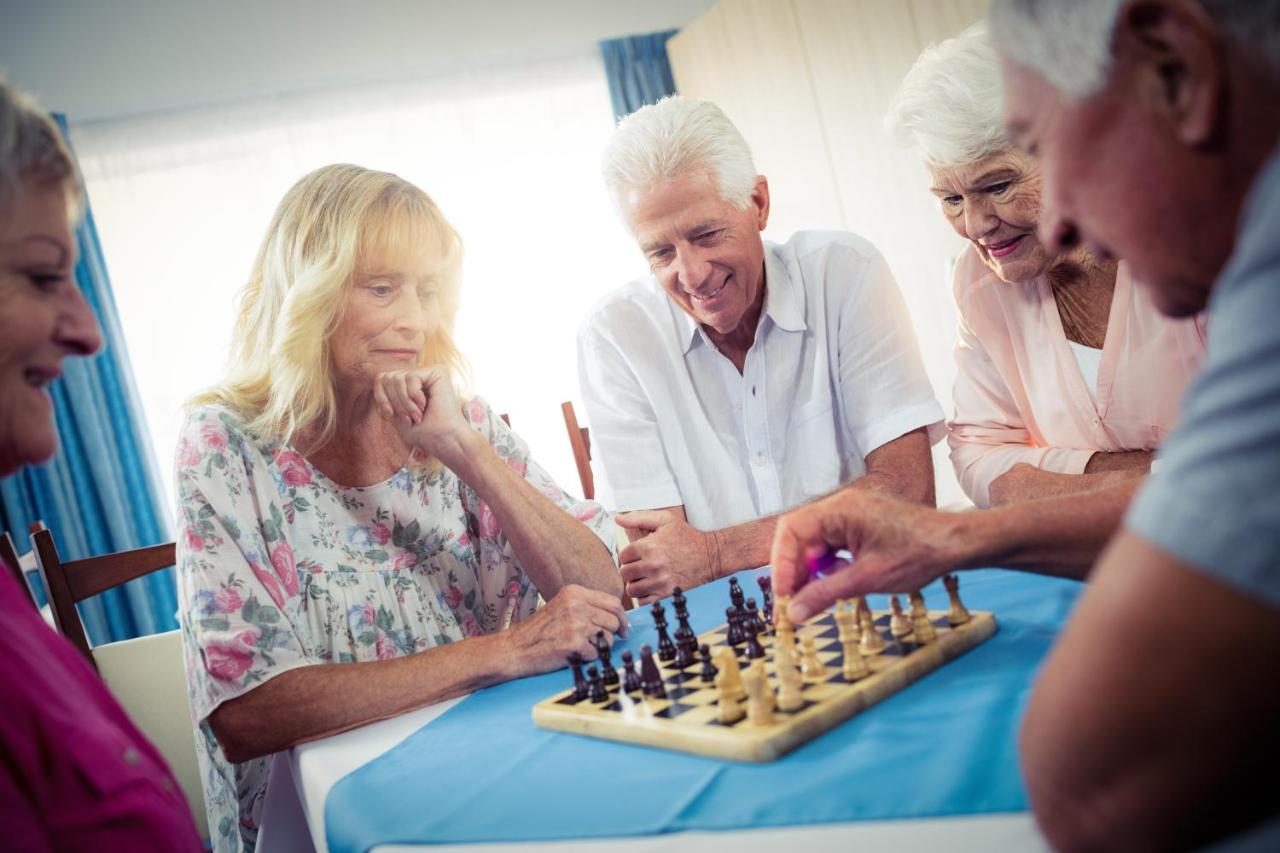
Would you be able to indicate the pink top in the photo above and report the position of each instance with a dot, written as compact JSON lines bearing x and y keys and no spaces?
{"x":75,"y":774}
{"x":1019,"y":393}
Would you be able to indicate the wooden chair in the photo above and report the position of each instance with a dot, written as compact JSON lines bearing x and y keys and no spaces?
{"x":69,"y":583}
{"x":580,"y":441}
{"x":9,"y":556}
{"x":146,"y":673}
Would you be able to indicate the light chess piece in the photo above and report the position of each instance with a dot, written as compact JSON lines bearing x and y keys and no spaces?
{"x":730,"y":702}
{"x":729,"y":678}
{"x":918,"y":607}
{"x":814,"y":669}
{"x":958,"y":614}
{"x":899,"y":625}
{"x":922,"y":629}
{"x":790,"y":683}
{"x":855,"y":665}
{"x":872,"y":643}
{"x":760,"y":698}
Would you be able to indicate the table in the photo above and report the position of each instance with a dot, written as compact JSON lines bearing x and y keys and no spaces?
{"x":303,"y":779}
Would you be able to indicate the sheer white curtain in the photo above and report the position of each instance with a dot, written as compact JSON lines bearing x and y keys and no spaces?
{"x":182,"y":201}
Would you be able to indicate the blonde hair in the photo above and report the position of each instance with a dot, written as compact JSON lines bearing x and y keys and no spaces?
{"x":31,"y":149}
{"x":281,"y":374}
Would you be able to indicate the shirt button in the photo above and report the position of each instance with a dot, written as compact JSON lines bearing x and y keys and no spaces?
{"x":132,"y":757}
{"x":760,"y":461}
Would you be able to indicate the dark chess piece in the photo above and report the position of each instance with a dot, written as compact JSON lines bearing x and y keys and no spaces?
{"x":685,"y":639}
{"x":754,"y":649}
{"x":598,"y":691}
{"x":735,"y":594}
{"x":734,"y":635}
{"x":754,"y":623}
{"x":666,"y":649}
{"x":709,"y":669}
{"x":579,"y":681}
{"x":609,"y":675}
{"x":683,"y":659}
{"x":766,"y":595}
{"x":630,"y":678}
{"x":650,"y":678}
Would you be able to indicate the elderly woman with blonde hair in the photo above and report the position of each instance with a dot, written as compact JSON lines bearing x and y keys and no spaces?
{"x":1068,"y":377}
{"x":355,"y":541}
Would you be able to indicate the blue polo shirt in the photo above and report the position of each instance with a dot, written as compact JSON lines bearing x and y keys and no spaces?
{"x":1215,"y":502}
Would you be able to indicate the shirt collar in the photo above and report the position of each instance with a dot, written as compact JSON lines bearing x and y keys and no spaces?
{"x":780,"y":303}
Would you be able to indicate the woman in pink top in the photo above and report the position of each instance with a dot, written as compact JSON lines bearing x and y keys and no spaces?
{"x":1068,"y":378}
{"x":75,"y":774}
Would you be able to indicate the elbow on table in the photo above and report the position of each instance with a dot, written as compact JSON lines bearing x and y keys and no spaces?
{"x":1079,"y":805}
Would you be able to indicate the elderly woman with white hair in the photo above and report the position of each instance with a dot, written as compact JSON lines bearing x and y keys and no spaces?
{"x":355,"y":541}
{"x":1068,"y":377}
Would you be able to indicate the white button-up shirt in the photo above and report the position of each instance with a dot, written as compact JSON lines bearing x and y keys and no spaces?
{"x":834,"y":373}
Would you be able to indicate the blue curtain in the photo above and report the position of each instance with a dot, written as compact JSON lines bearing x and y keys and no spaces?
{"x":101,"y":492}
{"x":638,"y":71}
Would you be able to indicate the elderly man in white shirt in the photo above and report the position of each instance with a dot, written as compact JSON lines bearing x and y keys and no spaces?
{"x":740,"y":378}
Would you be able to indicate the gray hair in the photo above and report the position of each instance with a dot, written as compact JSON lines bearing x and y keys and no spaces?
{"x":31,"y":148}
{"x":677,"y":137}
{"x":1069,"y":43}
{"x":948,"y":107}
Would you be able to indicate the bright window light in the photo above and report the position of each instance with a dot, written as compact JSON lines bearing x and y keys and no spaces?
{"x":511,"y":156}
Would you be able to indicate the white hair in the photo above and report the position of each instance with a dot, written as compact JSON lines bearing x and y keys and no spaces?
{"x":677,"y":137}
{"x":1069,"y":43}
{"x":948,"y":107}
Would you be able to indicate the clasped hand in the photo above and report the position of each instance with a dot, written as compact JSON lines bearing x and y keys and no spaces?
{"x":422,"y":404}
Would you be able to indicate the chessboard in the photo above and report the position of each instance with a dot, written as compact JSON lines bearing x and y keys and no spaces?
{"x":683,"y":711}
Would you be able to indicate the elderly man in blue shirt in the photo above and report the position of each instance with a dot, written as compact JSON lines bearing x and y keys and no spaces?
{"x":1154,"y":722}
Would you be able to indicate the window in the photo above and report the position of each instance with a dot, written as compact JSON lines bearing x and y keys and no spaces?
{"x":182,"y":201}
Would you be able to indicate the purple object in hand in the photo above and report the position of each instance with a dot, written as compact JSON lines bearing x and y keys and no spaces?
{"x":826,"y":563}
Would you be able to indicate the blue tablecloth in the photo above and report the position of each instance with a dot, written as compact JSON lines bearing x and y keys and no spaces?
{"x":946,"y":745}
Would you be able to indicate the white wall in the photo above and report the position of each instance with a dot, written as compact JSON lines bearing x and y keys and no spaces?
{"x":98,"y":59}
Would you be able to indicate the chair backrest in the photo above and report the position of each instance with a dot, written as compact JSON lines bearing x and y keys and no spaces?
{"x":68,"y":583}
{"x":9,"y":556}
{"x":580,"y":441}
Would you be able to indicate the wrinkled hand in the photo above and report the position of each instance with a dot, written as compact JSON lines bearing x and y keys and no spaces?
{"x":671,"y":554}
{"x":566,"y":624}
{"x":425,"y":409}
{"x":897,"y":547}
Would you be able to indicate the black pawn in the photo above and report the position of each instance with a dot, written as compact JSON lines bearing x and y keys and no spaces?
{"x":579,"y":682}
{"x":609,"y":675}
{"x":598,"y":691}
{"x":650,"y":678}
{"x":684,"y":659}
{"x":754,"y":649}
{"x":766,"y":595}
{"x":709,"y":670}
{"x":666,"y":649}
{"x":754,"y":623}
{"x":630,"y":678}
{"x":734,"y":637}
{"x":735,"y":594}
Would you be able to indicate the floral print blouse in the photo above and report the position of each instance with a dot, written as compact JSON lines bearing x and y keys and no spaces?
{"x":280,"y":567}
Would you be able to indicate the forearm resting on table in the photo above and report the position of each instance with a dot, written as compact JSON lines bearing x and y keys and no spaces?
{"x":313,"y":702}
{"x":1136,"y":461}
{"x":552,"y":546}
{"x":1060,"y":536}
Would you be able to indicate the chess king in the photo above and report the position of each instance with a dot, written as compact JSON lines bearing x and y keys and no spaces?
{"x":740,"y":377}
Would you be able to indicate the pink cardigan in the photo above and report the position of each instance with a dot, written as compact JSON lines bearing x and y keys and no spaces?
{"x":1019,"y":393}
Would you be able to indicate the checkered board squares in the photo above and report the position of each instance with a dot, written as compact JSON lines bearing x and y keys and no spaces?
{"x":688,"y":719}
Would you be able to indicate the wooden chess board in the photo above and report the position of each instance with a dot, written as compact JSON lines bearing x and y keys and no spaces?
{"x":687,"y":720}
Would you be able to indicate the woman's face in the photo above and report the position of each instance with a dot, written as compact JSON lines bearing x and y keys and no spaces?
{"x":43,"y":319}
{"x":994,"y":203}
{"x":392,"y":311}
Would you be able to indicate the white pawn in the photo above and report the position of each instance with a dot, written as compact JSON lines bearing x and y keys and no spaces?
{"x":918,"y":607}
{"x":790,"y":683}
{"x":899,"y":625}
{"x":855,"y":665}
{"x":922,"y":629}
{"x":814,"y":668}
{"x":730,"y":676}
{"x":760,"y":697}
{"x":872,"y":643}
{"x":730,"y":703}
